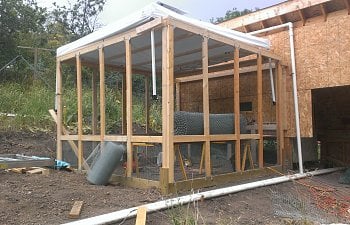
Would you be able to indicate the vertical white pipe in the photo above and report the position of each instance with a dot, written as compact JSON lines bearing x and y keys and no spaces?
{"x":295,"y":89}
{"x":272,"y":83}
{"x":295,"y":95}
{"x":154,"y":81}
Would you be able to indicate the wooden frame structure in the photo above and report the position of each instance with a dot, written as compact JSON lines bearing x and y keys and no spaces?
{"x":171,"y":86}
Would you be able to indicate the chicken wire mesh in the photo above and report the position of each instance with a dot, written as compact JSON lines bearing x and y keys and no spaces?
{"x":300,"y":204}
{"x":192,"y":123}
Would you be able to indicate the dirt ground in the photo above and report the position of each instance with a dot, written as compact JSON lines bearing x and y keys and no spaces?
{"x":47,"y":199}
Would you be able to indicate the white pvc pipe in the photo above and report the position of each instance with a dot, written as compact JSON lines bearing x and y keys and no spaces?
{"x":153,"y":51}
{"x":295,"y":89}
{"x":272,"y":83}
{"x":169,"y":203}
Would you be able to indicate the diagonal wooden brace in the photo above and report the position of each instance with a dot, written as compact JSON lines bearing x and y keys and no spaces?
{"x":70,"y":142}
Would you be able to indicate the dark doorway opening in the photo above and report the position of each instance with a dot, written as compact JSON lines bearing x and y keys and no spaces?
{"x":331,"y":115}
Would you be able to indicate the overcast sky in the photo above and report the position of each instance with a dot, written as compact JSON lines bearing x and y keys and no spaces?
{"x":200,"y":9}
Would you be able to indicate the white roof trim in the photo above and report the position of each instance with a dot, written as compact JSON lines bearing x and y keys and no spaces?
{"x":155,"y":10}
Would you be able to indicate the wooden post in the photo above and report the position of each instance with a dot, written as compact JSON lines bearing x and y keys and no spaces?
{"x":206,"y":111}
{"x":147,"y":105}
{"x":260,"y":112}
{"x":237,"y":110}
{"x":168,"y":99}
{"x":124,"y":105}
{"x":102,"y":95}
{"x":94,"y":121}
{"x":128,"y":81}
{"x":80,"y":111}
{"x":59,"y":109}
{"x":177,"y":92}
{"x":280,"y":138}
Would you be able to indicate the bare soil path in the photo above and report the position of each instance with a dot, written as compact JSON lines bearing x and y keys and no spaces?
{"x":47,"y":199}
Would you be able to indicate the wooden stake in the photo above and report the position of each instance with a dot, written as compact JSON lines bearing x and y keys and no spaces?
{"x":128,"y":76}
{"x":141,"y":215}
{"x":236,"y":105}
{"x":205,"y":62}
{"x":260,"y":112}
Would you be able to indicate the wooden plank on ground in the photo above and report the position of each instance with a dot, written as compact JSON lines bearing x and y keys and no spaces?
{"x":38,"y":171}
{"x":141,"y":215}
{"x":18,"y":170}
{"x":76,"y":210}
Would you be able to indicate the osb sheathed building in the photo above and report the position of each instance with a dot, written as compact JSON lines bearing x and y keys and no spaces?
{"x":321,"y":31}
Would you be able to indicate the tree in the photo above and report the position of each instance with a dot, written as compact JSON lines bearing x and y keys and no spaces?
{"x":230,"y":14}
{"x":20,"y":22}
{"x":78,"y":19}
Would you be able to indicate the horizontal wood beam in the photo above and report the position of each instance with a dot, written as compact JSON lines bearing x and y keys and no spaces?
{"x":147,"y":139}
{"x":223,"y":73}
{"x":197,"y":183}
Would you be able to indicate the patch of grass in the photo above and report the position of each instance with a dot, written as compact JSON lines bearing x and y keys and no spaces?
{"x":31,"y":105}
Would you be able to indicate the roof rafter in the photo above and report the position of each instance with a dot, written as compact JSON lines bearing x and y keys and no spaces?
{"x":302,"y":16}
{"x":347,"y":4}
{"x":324,"y":11}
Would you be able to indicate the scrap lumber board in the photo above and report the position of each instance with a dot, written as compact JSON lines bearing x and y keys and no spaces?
{"x":141,"y":215}
{"x":38,"y":171}
{"x":18,"y":170}
{"x":76,"y":210}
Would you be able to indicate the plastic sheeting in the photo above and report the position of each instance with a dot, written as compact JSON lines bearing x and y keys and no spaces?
{"x":152,"y":11}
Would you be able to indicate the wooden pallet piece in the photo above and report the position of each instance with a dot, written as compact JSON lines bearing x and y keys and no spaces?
{"x":76,"y":210}
{"x":141,"y":215}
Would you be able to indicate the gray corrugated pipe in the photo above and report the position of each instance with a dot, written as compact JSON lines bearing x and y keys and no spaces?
{"x":169,"y":203}
{"x":295,"y":89}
